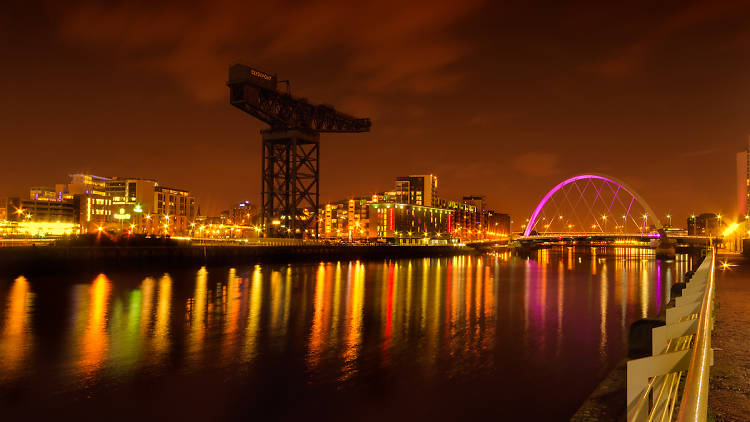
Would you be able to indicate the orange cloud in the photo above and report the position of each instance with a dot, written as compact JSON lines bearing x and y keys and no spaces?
{"x":633,"y":56}
{"x":388,"y":45}
{"x":537,"y":164}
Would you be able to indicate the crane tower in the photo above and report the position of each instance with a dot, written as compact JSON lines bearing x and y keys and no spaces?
{"x":291,"y":148}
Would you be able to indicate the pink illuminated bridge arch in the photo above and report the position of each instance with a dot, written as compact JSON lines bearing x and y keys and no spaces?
{"x":532,"y":221}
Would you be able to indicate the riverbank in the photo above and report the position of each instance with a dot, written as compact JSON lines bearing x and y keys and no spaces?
{"x":41,"y":259}
{"x":729,"y":394}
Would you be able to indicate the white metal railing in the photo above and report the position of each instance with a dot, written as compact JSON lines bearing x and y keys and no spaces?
{"x":682,"y":346}
{"x":252,"y":242}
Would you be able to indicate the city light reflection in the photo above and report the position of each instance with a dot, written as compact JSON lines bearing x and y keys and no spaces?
{"x":253,"y":315}
{"x":342,"y":320}
{"x":197,"y":311}
{"x":95,"y":341}
{"x":163,"y":308}
{"x":603,"y":303}
{"x":354,"y":309}
{"x":231,"y":299}
{"x":15,"y":343}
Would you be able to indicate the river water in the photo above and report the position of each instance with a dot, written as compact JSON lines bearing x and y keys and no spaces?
{"x":495,"y":336}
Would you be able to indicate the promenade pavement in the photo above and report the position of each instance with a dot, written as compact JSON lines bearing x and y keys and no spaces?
{"x":729,"y":394}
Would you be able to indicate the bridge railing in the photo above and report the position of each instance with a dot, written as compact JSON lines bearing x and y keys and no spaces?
{"x":592,"y":234}
{"x":253,"y":242}
{"x":681,"y":347}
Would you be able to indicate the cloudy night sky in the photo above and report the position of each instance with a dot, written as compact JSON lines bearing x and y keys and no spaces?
{"x":501,"y":98}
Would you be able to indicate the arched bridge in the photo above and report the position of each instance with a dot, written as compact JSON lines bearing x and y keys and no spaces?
{"x":592,"y":205}
{"x":593,"y":209}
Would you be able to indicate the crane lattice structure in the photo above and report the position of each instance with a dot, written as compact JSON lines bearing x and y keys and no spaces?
{"x":291,"y":148}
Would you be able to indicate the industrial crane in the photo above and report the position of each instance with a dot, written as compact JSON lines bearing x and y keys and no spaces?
{"x":291,"y":148}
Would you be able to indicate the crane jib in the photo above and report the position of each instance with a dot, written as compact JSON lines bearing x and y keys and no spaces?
{"x":255,"y":92}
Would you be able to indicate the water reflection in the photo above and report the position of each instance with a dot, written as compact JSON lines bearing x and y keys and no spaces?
{"x":603,"y":302}
{"x":450,"y":318}
{"x":94,"y":342}
{"x":355,"y":291}
{"x":253,"y":315}
{"x":319,"y":326}
{"x":15,"y":343}
{"x":163,"y":308}
{"x":196,"y":310}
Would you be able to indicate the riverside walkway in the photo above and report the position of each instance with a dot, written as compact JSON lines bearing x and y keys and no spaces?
{"x":729,"y":394}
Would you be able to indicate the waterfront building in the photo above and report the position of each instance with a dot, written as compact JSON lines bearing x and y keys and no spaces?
{"x":242,"y":214}
{"x":132,"y":199}
{"x":409,"y":224}
{"x":142,"y":206}
{"x":331,"y":221}
{"x":478,"y":201}
{"x":44,"y":216}
{"x":417,"y":190}
{"x":743,"y":181}
{"x":175,"y":210}
{"x":498,"y":224}
{"x":347,"y":219}
{"x":480,"y":216}
{"x":63,"y":210}
{"x":706,"y":224}
{"x":463,"y":219}
{"x":472,"y":221}
{"x":95,"y":204}
{"x":45,"y":205}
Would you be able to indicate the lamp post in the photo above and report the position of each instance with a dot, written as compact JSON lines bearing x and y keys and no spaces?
{"x":138,"y":211}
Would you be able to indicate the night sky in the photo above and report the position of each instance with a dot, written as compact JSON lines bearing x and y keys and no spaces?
{"x":498,"y":98}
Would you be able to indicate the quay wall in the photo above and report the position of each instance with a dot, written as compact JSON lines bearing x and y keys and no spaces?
{"x":69,"y":258}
